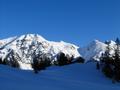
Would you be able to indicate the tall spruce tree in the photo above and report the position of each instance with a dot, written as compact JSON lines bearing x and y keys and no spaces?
{"x":106,"y":61}
{"x":117,"y":61}
{"x":117,"y":41}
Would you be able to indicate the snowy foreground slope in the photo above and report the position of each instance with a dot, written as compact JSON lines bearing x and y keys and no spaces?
{"x":70,"y":77}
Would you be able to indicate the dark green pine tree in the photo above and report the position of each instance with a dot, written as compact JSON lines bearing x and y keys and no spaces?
{"x":106,"y":61}
{"x":117,"y":61}
{"x":117,"y":41}
{"x":62,"y":59}
{"x":35,"y":65}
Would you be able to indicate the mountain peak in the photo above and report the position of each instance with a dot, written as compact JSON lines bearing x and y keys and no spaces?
{"x":96,"y":42}
{"x":32,"y":37}
{"x":93,"y":50}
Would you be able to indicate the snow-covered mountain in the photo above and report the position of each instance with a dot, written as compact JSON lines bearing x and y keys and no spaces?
{"x":94,"y":50}
{"x":25,"y":47}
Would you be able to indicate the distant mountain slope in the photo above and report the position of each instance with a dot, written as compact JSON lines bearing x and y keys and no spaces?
{"x":94,"y":50}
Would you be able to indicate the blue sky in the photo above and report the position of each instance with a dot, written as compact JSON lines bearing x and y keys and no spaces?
{"x":75,"y":21}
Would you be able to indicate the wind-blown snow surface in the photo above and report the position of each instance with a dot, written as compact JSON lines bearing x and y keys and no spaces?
{"x":70,"y":77}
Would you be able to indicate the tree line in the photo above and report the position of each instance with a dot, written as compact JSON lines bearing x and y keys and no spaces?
{"x":41,"y":61}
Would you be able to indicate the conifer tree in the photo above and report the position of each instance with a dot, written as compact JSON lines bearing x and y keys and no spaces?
{"x":106,"y":61}
{"x":62,"y":59}
{"x":117,"y":61}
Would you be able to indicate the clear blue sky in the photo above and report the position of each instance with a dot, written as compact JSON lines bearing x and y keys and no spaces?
{"x":75,"y":21}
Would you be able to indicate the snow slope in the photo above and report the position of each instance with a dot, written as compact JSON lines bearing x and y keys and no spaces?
{"x":70,"y":77}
